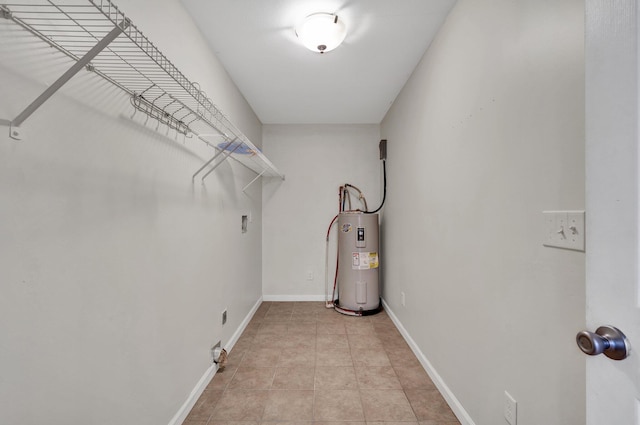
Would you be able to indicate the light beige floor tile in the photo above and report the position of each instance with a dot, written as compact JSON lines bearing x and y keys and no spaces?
{"x":260,"y":312}
{"x":342,"y":378}
{"x":382,"y":316}
{"x":304,"y":328}
{"x":330,"y":315}
{"x":280,"y":309}
{"x":278,"y":312}
{"x":281,"y":305}
{"x":253,"y":378}
{"x":273,"y":328}
{"x":261,"y":357}
{"x":334,"y":357}
{"x":372,"y":358}
{"x":377,"y":378}
{"x":356,"y":319}
{"x":359,"y":328}
{"x":195,"y":422}
{"x":296,"y":422}
{"x":393,"y":341}
{"x":311,"y":316}
{"x":296,"y":341}
{"x":221,"y":379}
{"x":385,"y":326}
{"x":337,"y":405}
{"x":392,"y":423}
{"x":233,"y":361}
{"x":298,"y":357}
{"x":331,"y":328}
{"x":241,"y":346}
{"x":429,"y":405}
{"x":386,"y":405}
{"x":205,"y":405}
{"x":276,"y":318}
{"x":267,"y":340}
{"x":414,"y":378}
{"x":286,"y":405}
{"x":219,"y":422}
{"x":389,"y":335}
{"x":308,"y":306}
{"x":403,"y":358}
{"x":365,"y":342}
{"x":332,"y":342}
{"x":294,"y":378}
{"x":338,"y":423}
{"x":241,"y":405}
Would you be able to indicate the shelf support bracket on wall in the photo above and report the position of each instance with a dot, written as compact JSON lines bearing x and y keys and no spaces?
{"x":218,"y":153}
{"x":14,"y":125}
{"x":226,"y":155}
{"x":254,"y":180}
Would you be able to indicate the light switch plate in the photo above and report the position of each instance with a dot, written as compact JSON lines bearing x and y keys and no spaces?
{"x":564,"y":229}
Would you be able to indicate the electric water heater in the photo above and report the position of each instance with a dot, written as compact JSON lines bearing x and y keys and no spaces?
{"x":358,"y":291}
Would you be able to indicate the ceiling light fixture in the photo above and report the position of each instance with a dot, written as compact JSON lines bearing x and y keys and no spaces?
{"x":321,"y":32}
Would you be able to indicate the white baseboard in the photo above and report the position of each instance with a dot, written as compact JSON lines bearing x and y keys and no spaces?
{"x":293,"y":297}
{"x":448,"y":395}
{"x":197,"y":391}
{"x":236,"y":335}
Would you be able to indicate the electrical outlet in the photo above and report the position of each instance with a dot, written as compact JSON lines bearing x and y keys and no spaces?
{"x":310,"y":275}
{"x":224,"y":317}
{"x":403,"y":299}
{"x":510,"y":409}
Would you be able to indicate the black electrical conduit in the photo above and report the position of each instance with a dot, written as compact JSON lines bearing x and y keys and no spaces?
{"x":384,"y":193}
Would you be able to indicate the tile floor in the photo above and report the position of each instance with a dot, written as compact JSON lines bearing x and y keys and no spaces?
{"x":300,"y":363}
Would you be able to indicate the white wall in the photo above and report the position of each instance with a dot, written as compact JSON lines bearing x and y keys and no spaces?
{"x":488,"y":133}
{"x":114,"y":268}
{"x":316,"y":160}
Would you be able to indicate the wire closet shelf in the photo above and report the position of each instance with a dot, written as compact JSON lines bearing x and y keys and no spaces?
{"x":100,"y":38}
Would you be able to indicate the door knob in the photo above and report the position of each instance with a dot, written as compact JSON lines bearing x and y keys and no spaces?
{"x":606,"y":340}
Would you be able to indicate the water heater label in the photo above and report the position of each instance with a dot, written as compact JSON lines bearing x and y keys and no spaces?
{"x":346,"y":228}
{"x":364,"y":260}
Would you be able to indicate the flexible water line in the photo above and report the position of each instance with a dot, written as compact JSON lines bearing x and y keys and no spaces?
{"x":328,"y":304}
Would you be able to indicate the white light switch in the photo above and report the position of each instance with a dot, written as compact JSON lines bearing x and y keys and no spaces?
{"x":564,"y":229}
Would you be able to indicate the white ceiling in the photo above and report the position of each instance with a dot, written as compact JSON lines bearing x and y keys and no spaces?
{"x":287,"y":84}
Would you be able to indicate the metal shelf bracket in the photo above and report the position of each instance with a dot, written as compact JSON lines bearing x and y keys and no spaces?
{"x":14,"y":131}
{"x":254,"y":180}
{"x":226,"y":155}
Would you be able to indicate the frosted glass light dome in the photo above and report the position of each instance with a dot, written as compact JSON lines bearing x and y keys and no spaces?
{"x":321,"y":32}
